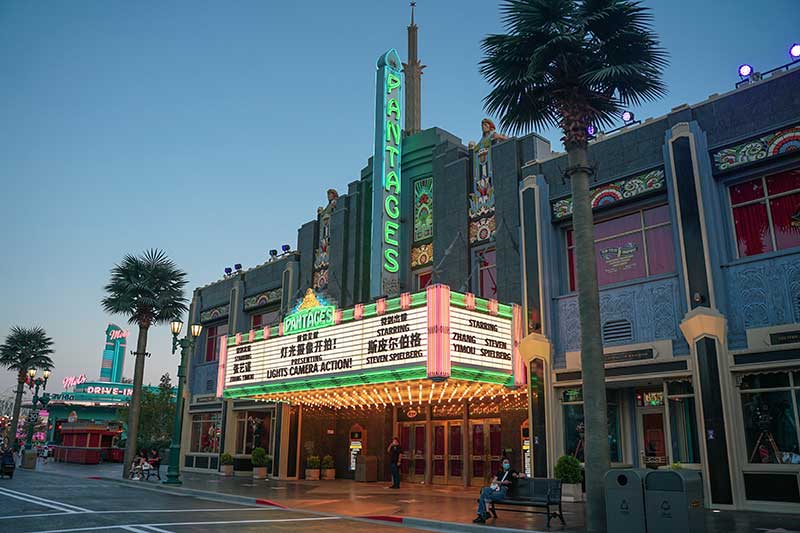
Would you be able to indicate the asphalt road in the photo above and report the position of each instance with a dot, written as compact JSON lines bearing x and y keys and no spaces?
{"x":34,"y":502}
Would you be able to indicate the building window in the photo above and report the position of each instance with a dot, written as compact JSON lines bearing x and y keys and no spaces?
{"x":252,"y":431}
{"x":215,"y":335}
{"x":574,"y":444}
{"x":486,"y":264}
{"x":206,"y":431}
{"x":424,"y":279}
{"x":766,"y":213}
{"x":267,"y":318}
{"x":682,"y":422}
{"x":632,"y":246}
{"x":769,"y":414}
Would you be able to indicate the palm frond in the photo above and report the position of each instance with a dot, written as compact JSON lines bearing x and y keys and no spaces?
{"x":26,"y":348}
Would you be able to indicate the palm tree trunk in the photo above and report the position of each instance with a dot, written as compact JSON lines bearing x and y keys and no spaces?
{"x":594,"y":386}
{"x":12,"y":430}
{"x":136,"y":401}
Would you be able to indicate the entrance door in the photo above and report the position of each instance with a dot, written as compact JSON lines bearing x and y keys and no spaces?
{"x":412,"y":440}
{"x":448,"y":459}
{"x":652,"y":445}
{"x":486,"y":450}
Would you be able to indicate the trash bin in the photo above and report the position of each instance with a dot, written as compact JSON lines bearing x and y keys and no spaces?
{"x":29,"y":458}
{"x":366,"y":468}
{"x":674,"y":501}
{"x":625,"y":499}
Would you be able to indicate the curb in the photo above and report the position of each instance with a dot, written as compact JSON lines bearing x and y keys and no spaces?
{"x":389,"y":520}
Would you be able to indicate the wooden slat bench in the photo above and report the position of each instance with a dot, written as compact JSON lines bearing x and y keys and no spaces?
{"x":531,"y":494}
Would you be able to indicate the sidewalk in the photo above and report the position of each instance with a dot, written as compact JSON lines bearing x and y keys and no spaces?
{"x":417,"y":505}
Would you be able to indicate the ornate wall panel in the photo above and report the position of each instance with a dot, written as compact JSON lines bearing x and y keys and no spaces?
{"x":616,"y":191}
{"x":771,"y":144}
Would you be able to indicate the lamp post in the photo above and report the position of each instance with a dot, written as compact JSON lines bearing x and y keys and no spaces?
{"x":185,"y":344}
{"x":35,"y":383}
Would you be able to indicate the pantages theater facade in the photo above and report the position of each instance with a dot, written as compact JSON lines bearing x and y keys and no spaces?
{"x":435,"y":300}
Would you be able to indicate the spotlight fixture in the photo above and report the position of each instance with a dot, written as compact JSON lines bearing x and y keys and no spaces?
{"x":285,"y":248}
{"x":794,"y":51}
{"x":228,"y":271}
{"x":591,"y":130}
{"x":273,"y":253}
{"x":237,"y":266}
{"x":627,"y":117}
{"x":745,"y":70}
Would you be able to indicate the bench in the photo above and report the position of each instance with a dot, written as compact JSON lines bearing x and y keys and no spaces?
{"x":533,"y":493}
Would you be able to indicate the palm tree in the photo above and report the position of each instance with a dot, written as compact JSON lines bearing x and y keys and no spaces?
{"x":571,"y":64}
{"x":24,"y":348}
{"x":149,"y":290}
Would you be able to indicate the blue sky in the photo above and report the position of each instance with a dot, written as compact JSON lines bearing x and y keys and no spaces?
{"x":213,"y":129}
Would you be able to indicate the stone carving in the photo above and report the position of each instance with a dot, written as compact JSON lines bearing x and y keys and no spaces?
{"x":215,"y":313}
{"x":322,"y":253}
{"x":421,"y":255}
{"x":263,"y":298}
{"x":609,"y":193}
{"x":482,"y":223}
{"x":771,"y":144}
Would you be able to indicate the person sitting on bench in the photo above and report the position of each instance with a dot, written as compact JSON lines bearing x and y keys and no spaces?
{"x":503,"y":482}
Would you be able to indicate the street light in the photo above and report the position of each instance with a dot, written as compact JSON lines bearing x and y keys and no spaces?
{"x":185,"y":344}
{"x":35,"y":383}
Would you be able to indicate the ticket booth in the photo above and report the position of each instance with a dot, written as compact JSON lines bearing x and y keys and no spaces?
{"x":357,"y":444}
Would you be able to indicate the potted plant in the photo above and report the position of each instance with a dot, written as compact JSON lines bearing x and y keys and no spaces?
{"x":269,"y":465}
{"x":312,"y":467}
{"x":259,"y":460}
{"x":568,"y":470}
{"x":226,"y":460}
{"x":328,"y":468}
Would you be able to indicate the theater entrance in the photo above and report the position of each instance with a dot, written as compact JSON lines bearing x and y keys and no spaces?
{"x":486,"y":451}
{"x":448,"y":452}
{"x":412,"y":441}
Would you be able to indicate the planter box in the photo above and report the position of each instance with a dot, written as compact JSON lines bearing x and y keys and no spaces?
{"x":312,"y":474}
{"x":227,"y":470}
{"x":329,"y":473}
{"x":259,"y":472}
{"x":571,"y":492}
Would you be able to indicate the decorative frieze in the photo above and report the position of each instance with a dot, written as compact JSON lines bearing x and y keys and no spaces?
{"x":616,"y":191}
{"x":769,"y":145}
{"x":261,"y":299}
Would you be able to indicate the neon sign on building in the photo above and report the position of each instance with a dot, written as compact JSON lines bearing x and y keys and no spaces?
{"x":386,"y":177}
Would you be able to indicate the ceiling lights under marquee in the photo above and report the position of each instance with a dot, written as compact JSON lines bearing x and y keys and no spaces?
{"x":434,"y":335}
{"x":481,"y":397}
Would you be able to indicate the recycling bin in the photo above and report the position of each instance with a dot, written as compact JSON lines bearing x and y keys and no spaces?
{"x":674,"y":501}
{"x":366,"y":468}
{"x":625,"y":499}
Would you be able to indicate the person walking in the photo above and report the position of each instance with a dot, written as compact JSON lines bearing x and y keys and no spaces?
{"x":394,"y":450}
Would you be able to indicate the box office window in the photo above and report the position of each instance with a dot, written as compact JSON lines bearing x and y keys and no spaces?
{"x":769,"y":404}
{"x":206,"y":431}
{"x":574,"y":433}
{"x":766,"y":213}
{"x":252,"y":431}
{"x":214,"y":335}
{"x":632,"y":246}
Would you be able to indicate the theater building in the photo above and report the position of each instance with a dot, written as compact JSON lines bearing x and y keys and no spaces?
{"x":466,"y":248}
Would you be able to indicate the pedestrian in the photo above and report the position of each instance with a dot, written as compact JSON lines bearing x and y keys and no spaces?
{"x":504,"y":480}
{"x":394,"y":450}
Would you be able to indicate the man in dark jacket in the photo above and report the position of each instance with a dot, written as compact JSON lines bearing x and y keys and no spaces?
{"x":395,"y":452}
{"x":504,"y":482}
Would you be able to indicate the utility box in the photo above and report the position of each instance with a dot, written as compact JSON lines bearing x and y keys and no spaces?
{"x":674,"y":501}
{"x":625,"y":500}
{"x":366,"y":468}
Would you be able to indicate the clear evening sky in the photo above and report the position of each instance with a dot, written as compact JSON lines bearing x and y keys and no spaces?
{"x":213,"y":129}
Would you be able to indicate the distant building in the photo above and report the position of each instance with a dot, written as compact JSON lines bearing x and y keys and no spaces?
{"x":113,"y":354}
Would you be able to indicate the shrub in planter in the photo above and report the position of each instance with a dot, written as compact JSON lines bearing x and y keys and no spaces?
{"x":312,"y":467}
{"x":226,"y":460}
{"x":568,"y":469}
{"x":328,"y":468}
{"x":259,"y":460}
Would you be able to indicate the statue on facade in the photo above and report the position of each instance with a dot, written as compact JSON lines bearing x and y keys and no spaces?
{"x":488,"y":134}
{"x":321,"y":255}
{"x":482,"y":221}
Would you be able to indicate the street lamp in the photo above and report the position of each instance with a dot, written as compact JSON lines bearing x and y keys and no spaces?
{"x":43,"y":400}
{"x":185,"y":344}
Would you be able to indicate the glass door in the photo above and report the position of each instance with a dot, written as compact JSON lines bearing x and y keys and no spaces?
{"x":486,"y":451}
{"x":455,"y":462}
{"x":412,"y":440}
{"x":440,"y":453}
{"x":653,"y":449}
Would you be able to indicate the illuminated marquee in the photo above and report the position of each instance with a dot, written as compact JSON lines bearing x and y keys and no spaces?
{"x":308,"y":319}
{"x":386,"y":177}
{"x":432,"y":331}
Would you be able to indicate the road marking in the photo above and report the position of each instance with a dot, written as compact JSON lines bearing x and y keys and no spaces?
{"x":144,"y":529}
{"x":154,"y":528}
{"x":41,"y":501}
{"x":125,"y":526}
{"x":156,"y":511}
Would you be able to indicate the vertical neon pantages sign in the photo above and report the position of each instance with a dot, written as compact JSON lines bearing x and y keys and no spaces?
{"x":385,"y":262}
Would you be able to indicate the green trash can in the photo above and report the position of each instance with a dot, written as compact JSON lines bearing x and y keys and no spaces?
{"x":625,"y":500}
{"x":674,"y":501}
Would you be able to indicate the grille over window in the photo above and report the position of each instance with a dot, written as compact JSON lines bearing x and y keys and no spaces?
{"x":617,"y":331}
